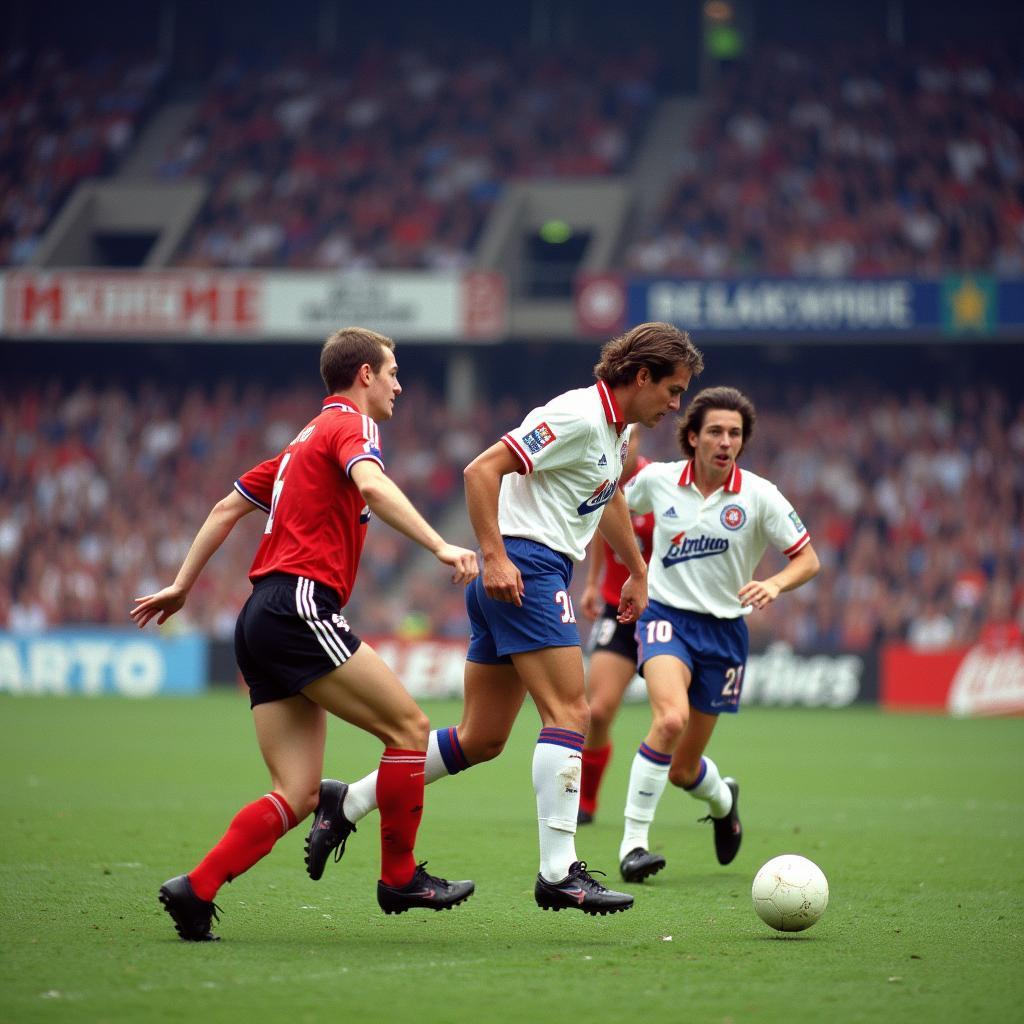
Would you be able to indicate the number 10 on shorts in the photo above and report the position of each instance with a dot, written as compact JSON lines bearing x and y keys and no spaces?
{"x":659,"y":631}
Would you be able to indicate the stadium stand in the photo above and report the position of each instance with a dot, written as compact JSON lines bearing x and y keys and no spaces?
{"x":915,"y":506}
{"x":856,"y":161}
{"x":395,"y":158}
{"x":62,"y":121}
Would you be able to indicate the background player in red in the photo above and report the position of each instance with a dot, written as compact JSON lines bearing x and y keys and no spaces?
{"x":612,"y":662}
{"x":296,"y":650}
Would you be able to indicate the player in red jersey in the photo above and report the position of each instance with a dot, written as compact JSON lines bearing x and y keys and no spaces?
{"x":612,"y":643}
{"x":294,"y":647}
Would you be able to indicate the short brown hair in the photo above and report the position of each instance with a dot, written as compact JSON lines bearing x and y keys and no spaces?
{"x":702,"y":403}
{"x":659,"y":347}
{"x":346,"y":350}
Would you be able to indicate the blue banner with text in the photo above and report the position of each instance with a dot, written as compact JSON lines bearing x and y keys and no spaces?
{"x":98,"y":661}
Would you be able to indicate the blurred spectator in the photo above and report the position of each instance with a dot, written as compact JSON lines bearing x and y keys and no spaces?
{"x":393,"y":157}
{"x":915,"y":504}
{"x":62,"y":121}
{"x":857,"y":161}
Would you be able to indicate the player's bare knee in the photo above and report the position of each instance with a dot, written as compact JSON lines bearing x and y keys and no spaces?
{"x":576,"y":716}
{"x":410,"y":732}
{"x":668,"y":729}
{"x":602,"y":715}
{"x":478,"y":749}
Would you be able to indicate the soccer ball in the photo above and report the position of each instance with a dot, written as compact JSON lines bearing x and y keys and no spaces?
{"x":790,"y":893}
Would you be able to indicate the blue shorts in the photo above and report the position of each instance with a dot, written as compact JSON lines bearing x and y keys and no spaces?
{"x":546,"y":619}
{"x":715,"y":650}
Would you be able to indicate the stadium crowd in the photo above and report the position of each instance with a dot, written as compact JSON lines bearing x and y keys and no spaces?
{"x":915,"y":506}
{"x":859,"y":160}
{"x":867,"y":161}
{"x":394,"y":159}
{"x":62,"y":121}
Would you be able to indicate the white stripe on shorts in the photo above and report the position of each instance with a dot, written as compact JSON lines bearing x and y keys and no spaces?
{"x":325,"y":632}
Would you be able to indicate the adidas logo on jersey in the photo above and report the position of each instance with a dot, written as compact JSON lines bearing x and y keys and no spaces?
{"x":671,"y":512}
{"x":602,"y":461}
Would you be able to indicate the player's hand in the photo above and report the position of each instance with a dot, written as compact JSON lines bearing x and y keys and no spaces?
{"x":633,"y":600}
{"x":503,"y":581}
{"x":462,"y":560}
{"x":591,"y":601}
{"x":163,"y":603}
{"x":758,"y":594}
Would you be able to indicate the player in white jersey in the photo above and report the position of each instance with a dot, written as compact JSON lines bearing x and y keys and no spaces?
{"x":712,"y":524}
{"x":536,"y":498}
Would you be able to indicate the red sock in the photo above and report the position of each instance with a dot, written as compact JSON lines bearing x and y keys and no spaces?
{"x":250,"y":837}
{"x":594,"y":764}
{"x":400,"y":800}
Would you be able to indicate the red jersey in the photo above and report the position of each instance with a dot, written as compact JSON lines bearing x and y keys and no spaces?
{"x":615,"y":573}
{"x":316,"y":517}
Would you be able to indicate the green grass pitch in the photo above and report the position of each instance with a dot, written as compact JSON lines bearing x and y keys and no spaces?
{"x":917,"y":822}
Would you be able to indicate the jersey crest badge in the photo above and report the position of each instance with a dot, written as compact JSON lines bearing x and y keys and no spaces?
{"x":733,"y":517}
{"x":538,"y":438}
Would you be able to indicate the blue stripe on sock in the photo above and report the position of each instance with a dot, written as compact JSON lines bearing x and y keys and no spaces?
{"x":654,"y":756}
{"x":451,"y":751}
{"x":561,"y":738}
{"x":700,"y":775}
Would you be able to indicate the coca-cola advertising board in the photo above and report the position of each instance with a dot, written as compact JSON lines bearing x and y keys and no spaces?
{"x":986,"y":679}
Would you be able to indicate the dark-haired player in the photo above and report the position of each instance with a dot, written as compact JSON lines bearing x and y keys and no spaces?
{"x":536,"y":498}
{"x":295,"y":648}
{"x":712,"y":524}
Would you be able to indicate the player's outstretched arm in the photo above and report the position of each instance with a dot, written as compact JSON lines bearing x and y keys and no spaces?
{"x":219,"y":523}
{"x":617,"y":528}
{"x":388,"y":501}
{"x":803,"y":566}
{"x":502,"y":579}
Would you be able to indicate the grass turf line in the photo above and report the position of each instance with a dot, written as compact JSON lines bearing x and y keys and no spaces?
{"x":916,"y":821}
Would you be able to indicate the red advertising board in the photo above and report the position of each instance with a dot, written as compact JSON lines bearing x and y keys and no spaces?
{"x":105,"y":304}
{"x":981,"y":680}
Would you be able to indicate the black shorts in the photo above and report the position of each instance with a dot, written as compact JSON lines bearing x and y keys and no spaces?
{"x":608,"y":634}
{"x":290,"y":632}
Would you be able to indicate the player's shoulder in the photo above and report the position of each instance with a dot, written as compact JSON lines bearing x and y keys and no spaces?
{"x":578,"y":401}
{"x":344,"y":419}
{"x":756,"y":486}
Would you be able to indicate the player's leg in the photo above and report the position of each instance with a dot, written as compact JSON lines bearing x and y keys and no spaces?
{"x":607,"y":679}
{"x":492,"y":698}
{"x":668,"y":679}
{"x":366,"y":693}
{"x":487,"y":717}
{"x":553,"y":676}
{"x":696,"y":773}
{"x":291,"y":738}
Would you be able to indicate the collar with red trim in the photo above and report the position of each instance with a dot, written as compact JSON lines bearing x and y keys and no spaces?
{"x":612,"y":412}
{"x":732,"y":484}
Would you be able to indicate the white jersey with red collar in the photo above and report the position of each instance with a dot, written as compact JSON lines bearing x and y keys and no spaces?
{"x":571,"y":452}
{"x":705,"y":549}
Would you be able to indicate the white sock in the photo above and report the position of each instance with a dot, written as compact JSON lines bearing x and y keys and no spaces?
{"x":647,"y":779}
{"x":712,"y":790}
{"x":361,"y":797}
{"x":557,"y":767}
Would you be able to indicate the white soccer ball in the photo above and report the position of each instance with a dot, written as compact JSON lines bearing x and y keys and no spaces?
{"x":790,"y":893}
